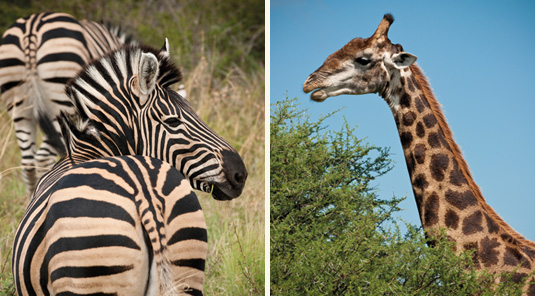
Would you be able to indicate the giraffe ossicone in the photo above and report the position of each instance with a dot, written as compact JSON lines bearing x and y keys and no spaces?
{"x":445,"y":192}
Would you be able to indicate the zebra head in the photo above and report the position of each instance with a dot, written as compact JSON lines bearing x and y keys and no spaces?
{"x":124,"y":106}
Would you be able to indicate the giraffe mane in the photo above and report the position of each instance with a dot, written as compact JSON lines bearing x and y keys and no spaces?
{"x":463,"y":166}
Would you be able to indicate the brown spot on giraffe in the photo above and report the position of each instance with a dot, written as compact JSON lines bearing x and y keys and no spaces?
{"x":439,"y":165}
{"x":434,"y":140}
{"x":409,"y":118}
{"x":405,"y":101}
{"x":518,"y":277}
{"x":513,"y":257}
{"x":419,"y":153}
{"x":472,"y":223}
{"x":430,"y":121}
{"x":473,"y":246}
{"x":531,"y":288}
{"x":491,"y":224}
{"x":410,"y":85}
{"x":406,"y":140}
{"x":456,"y":176}
{"x":420,"y":104}
{"x":452,"y":219}
{"x":420,"y":182}
{"x":460,"y":200}
{"x":488,"y":253}
{"x":420,"y":130}
{"x":431,"y":210}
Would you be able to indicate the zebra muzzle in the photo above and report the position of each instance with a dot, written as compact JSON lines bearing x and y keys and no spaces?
{"x":235,"y":177}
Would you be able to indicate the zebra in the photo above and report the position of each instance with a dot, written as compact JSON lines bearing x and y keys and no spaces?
{"x":124,"y":107}
{"x":38,"y":55}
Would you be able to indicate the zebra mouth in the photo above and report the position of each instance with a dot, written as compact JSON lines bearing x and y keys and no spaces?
{"x":225,"y":191}
{"x":234,"y":177}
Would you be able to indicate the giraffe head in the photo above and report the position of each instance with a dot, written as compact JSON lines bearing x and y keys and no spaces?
{"x":362,"y":66}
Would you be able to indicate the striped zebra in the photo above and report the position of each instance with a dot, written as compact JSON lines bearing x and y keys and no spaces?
{"x":105,"y":222}
{"x":38,"y":55}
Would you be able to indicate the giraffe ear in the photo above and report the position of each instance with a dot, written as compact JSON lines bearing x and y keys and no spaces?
{"x":402,"y":60}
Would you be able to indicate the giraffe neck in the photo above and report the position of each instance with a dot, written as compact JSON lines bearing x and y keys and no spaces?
{"x":445,"y":192}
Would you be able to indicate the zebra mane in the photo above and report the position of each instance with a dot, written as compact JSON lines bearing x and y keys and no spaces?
{"x":100,"y":76}
{"x":124,"y":36}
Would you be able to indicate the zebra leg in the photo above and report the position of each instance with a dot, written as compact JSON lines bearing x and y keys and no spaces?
{"x":187,"y":237}
{"x":45,"y":157}
{"x":174,"y":224}
{"x":25,"y":131}
{"x":187,"y":247}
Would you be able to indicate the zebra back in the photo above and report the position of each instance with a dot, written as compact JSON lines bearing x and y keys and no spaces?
{"x":103,"y":38}
{"x":127,"y":225}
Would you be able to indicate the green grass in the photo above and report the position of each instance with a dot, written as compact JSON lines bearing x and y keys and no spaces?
{"x":12,"y":200}
{"x":219,"y":45}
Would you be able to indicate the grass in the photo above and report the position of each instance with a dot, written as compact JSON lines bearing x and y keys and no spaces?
{"x":12,"y":199}
{"x":219,"y":45}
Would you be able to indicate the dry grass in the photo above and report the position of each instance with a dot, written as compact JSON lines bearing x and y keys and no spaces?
{"x":235,"y":228}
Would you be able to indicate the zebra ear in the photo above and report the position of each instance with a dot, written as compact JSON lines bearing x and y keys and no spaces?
{"x":164,"y":51}
{"x":148,"y":72}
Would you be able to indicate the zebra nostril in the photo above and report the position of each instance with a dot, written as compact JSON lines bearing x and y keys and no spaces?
{"x":240,"y":177}
{"x":236,"y":173}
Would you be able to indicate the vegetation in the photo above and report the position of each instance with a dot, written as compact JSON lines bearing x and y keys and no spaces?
{"x":331,"y":234}
{"x":219,"y":45}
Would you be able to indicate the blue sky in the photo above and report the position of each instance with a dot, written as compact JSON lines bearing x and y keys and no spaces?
{"x":479,"y":58}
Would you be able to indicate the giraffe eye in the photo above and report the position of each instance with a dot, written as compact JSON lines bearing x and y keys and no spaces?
{"x":362,"y":61}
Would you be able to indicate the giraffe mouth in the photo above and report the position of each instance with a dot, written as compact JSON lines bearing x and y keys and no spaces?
{"x":322,"y":93}
{"x":319,"y":95}
{"x":312,"y":84}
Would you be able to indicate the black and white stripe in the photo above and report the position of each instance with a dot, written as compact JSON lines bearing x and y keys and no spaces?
{"x":125,"y":221}
{"x":38,"y":55}
{"x":124,"y":106}
{"x":128,"y":225}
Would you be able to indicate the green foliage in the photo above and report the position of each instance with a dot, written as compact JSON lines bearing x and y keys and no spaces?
{"x":330,"y":232}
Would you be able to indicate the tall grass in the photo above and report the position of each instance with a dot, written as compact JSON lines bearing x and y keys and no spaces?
{"x":219,"y":45}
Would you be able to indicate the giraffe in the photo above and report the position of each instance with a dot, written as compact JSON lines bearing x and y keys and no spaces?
{"x":445,"y":192}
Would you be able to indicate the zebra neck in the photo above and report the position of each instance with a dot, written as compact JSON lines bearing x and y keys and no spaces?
{"x":82,"y":151}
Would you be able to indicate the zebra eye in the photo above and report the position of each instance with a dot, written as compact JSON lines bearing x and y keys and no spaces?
{"x":172,"y":121}
{"x":362,"y":61}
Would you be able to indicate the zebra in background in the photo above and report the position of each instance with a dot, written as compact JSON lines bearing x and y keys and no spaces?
{"x":103,"y":221}
{"x":38,"y":55}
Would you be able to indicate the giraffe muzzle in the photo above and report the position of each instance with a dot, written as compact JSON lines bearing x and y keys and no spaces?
{"x":312,"y":84}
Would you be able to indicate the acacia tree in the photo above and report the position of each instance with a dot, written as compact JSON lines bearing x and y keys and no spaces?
{"x":331,"y":234}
